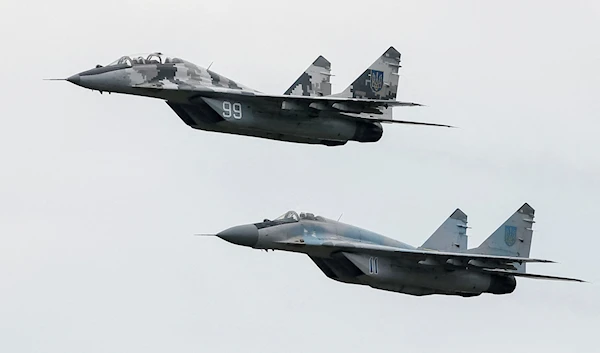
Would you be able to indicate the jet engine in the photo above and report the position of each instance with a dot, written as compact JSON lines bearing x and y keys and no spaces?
{"x":502,"y":284}
{"x":367,"y":132}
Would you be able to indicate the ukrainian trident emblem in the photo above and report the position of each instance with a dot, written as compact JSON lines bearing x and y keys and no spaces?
{"x":376,"y":80}
{"x":510,"y":235}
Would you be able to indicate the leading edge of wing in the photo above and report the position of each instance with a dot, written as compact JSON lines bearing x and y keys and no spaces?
{"x":389,"y":250}
{"x":216,"y":92}
{"x":357,"y":104}
{"x":532,"y":275}
{"x":365,"y":102}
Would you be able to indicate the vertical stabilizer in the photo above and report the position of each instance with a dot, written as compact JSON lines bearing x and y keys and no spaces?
{"x":512,"y":238}
{"x":451,"y":236}
{"x":315,"y":81}
{"x":379,"y":81}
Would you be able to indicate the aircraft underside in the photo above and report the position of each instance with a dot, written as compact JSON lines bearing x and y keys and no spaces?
{"x":329,"y":132}
{"x":385,"y":274}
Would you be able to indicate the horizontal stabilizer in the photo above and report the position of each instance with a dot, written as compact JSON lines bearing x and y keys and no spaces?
{"x":395,"y":121}
{"x":534,"y":276}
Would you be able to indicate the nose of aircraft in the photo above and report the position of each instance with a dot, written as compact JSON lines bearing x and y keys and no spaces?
{"x":246,"y":235}
{"x":74,"y":79}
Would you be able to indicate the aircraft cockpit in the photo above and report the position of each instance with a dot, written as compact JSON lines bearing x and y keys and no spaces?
{"x":293,"y":215}
{"x":145,"y":59}
{"x":311,"y":217}
{"x":289,"y":217}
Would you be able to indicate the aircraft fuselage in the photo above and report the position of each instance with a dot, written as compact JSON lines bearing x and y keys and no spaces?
{"x":203,"y":109}
{"x":377,"y":271}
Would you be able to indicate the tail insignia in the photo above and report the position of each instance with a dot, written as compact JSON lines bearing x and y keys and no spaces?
{"x":510,"y":235}
{"x":376,"y":80}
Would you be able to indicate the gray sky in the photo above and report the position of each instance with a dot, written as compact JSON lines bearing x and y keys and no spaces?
{"x":100,"y":195}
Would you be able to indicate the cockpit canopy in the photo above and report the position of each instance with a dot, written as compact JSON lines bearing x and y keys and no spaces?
{"x":289,"y":217}
{"x":292,"y":215}
{"x":145,"y":59}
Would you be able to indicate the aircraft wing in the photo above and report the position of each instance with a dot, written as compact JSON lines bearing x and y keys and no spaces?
{"x":425,"y":256}
{"x":350,"y":108}
{"x":499,"y":265}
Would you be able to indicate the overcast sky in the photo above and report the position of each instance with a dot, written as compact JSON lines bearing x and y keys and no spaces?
{"x":100,"y":195}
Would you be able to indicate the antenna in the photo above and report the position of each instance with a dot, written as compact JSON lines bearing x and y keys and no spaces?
{"x":208,"y":68}
{"x":340,"y":217}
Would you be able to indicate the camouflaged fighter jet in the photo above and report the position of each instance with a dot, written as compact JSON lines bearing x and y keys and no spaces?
{"x":306,"y":113}
{"x":442,"y":265}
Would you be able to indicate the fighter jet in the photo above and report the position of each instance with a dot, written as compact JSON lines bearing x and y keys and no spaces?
{"x":306,"y":113}
{"x":442,"y":265}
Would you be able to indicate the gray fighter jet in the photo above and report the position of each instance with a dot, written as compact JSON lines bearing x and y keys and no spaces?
{"x":442,"y":265}
{"x":306,"y":113}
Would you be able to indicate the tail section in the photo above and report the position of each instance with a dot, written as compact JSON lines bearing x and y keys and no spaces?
{"x":379,"y":81}
{"x":451,"y":236}
{"x":315,"y":81}
{"x":513,"y":238}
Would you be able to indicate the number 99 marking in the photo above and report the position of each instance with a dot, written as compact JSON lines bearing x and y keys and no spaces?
{"x":232,"y":110}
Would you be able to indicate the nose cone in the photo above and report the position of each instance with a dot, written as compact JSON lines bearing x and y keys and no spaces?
{"x":246,"y":235}
{"x":74,"y":79}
